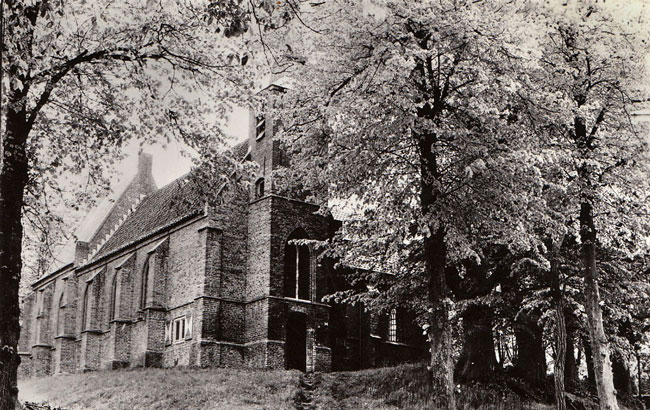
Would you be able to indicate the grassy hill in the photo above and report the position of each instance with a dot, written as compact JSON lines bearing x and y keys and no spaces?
{"x":165,"y":389}
{"x":405,"y":387}
{"x":402,"y":387}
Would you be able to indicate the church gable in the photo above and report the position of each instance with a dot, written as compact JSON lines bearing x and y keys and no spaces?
{"x":102,"y":221}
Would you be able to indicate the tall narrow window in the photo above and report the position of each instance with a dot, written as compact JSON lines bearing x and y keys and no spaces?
{"x":113,"y":307}
{"x":392,"y":326}
{"x":85,"y":308}
{"x":40,"y":296}
{"x":41,"y":303}
{"x":178,"y":329}
{"x":60,"y":316}
{"x":260,"y":126}
{"x":145,"y":282}
{"x":259,"y":188}
{"x":297,"y":268}
{"x":303,"y":273}
{"x":290,"y":258}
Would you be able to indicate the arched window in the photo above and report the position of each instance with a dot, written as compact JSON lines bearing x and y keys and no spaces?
{"x":259,"y":188}
{"x":145,"y":282}
{"x":85,"y":308}
{"x":113,"y":307}
{"x":297,"y":268}
{"x":392,"y":326}
{"x":60,"y":317}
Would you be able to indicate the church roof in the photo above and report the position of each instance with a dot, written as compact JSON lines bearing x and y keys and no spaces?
{"x":170,"y":204}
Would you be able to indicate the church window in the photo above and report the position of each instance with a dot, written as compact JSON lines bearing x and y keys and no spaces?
{"x":113,"y":306}
{"x":297,"y":267}
{"x":392,"y":326}
{"x":259,"y":188}
{"x":85,"y":308}
{"x":40,"y":303}
{"x":178,"y":329}
{"x":144,"y":283}
{"x":260,"y":126}
{"x":60,"y":317}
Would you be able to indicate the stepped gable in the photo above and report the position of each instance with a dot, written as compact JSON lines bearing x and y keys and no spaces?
{"x":171,"y":203}
{"x":102,"y":220}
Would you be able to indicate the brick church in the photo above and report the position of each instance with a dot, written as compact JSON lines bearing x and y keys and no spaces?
{"x":163,"y":280}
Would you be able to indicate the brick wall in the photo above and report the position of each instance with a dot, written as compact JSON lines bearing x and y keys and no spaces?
{"x":64,"y":355}
{"x":25,"y":367}
{"x":27,"y":323}
{"x":41,"y":361}
{"x":185,"y":263}
{"x":259,"y":255}
{"x":288,"y":216}
{"x":257,"y":315}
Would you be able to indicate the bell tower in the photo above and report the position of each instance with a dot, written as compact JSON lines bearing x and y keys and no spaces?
{"x":264,"y":148}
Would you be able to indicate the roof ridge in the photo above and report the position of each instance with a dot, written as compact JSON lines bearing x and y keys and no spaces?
{"x":175,"y":200}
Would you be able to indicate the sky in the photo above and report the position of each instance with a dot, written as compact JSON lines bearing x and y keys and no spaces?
{"x":168,"y":163}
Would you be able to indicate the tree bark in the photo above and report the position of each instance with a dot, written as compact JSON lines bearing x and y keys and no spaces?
{"x":531,"y":359}
{"x":599,"y":346}
{"x":639,"y":371}
{"x":13,"y":179}
{"x":560,"y":356}
{"x":435,"y":260}
{"x":440,"y":332}
{"x":591,"y":377}
{"x":560,"y":334}
{"x":570,"y":362}
{"x":477,"y":361}
{"x":622,"y":378}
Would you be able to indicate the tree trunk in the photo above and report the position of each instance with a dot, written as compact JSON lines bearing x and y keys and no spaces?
{"x":531,"y":359}
{"x":440,"y":336}
{"x":560,"y":334}
{"x":570,"y":364}
{"x":639,"y":371}
{"x":13,"y":179}
{"x":591,"y":377}
{"x":622,"y":378}
{"x":599,"y":345}
{"x":435,"y":260}
{"x":560,"y":356}
{"x":477,"y":360}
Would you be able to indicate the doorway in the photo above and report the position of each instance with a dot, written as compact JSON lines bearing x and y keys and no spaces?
{"x":296,"y":342}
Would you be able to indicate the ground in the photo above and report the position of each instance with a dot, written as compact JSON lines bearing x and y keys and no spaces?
{"x":401,"y":387}
{"x":165,"y":389}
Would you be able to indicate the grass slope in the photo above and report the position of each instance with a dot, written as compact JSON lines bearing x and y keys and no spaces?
{"x":405,"y":387}
{"x":401,"y":387}
{"x":166,"y":389}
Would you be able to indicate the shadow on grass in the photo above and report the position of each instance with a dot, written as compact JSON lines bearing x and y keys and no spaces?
{"x":407,"y":387}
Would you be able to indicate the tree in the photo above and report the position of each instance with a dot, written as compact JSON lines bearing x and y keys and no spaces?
{"x":79,"y":79}
{"x":588,"y":72}
{"x":392,"y":113}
